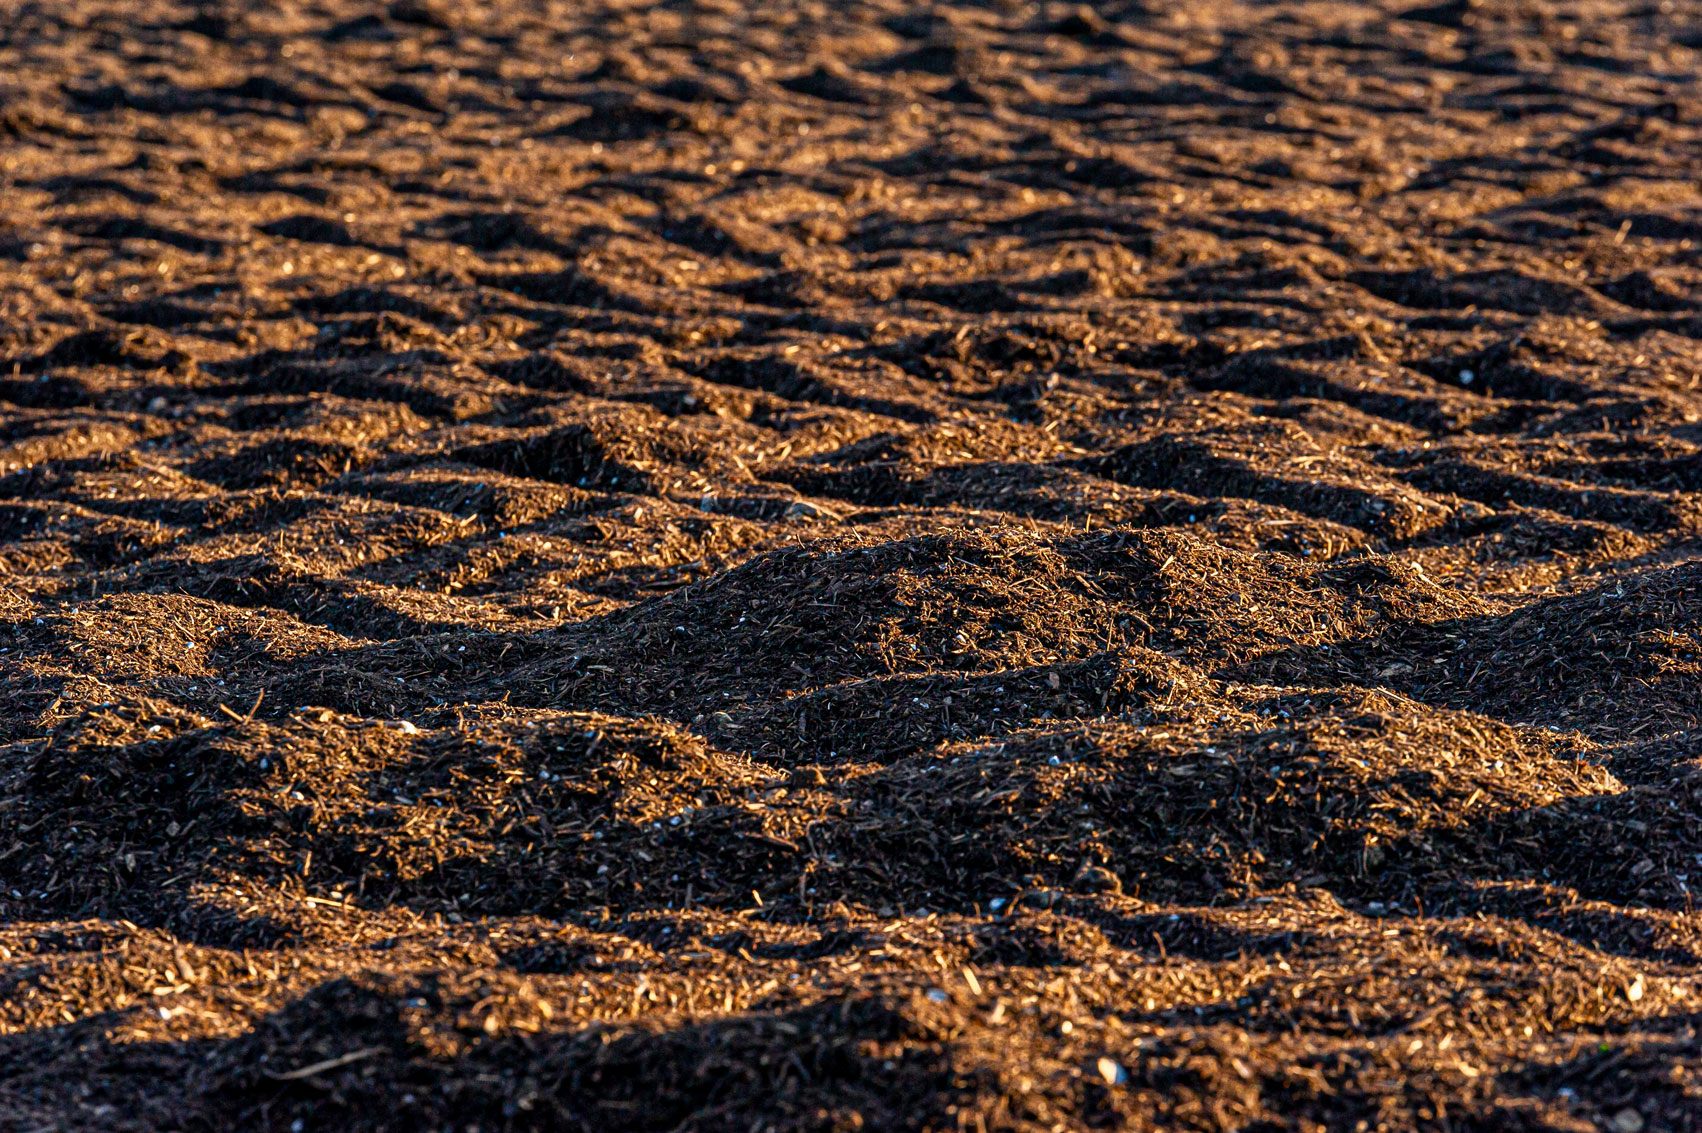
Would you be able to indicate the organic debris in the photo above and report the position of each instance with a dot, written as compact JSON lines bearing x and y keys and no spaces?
{"x":801,"y":565}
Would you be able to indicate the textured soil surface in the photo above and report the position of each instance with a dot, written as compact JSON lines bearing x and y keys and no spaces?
{"x":858,"y":565}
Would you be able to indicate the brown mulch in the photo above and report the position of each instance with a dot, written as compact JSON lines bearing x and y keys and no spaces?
{"x":843,"y":566}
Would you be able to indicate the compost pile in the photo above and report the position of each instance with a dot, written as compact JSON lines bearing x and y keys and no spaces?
{"x":805,"y":565}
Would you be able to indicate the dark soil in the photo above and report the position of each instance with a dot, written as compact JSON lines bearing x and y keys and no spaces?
{"x":778,"y":566}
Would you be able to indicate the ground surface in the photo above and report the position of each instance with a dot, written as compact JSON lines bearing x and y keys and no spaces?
{"x":850,"y":565}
